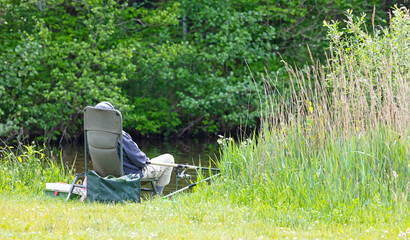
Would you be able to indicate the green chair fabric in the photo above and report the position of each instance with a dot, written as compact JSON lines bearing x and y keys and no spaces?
{"x":112,"y":190}
{"x":103,"y":129}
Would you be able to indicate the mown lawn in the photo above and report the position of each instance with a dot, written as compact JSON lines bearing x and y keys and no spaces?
{"x":42,"y":217}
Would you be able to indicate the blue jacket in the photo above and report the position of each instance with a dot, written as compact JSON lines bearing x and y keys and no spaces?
{"x":134,"y":160}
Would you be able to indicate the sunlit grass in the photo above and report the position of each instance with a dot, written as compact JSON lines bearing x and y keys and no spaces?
{"x":27,"y":168}
{"x":186,"y":217}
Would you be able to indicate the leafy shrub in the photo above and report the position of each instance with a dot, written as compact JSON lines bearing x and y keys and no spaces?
{"x":51,"y":74}
{"x":375,"y":68}
{"x":176,"y":67}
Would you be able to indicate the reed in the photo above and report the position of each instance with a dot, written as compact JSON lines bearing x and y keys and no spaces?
{"x":339,"y":142}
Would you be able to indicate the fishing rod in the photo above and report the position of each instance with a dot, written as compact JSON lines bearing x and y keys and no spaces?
{"x":183,"y":166}
{"x":190,"y":186}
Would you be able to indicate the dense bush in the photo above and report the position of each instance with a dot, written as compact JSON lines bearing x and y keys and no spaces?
{"x":172,"y":67}
{"x":369,"y":73}
{"x":56,"y":61}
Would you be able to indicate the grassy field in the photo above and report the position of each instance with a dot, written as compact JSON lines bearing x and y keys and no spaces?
{"x":245,"y":203}
{"x":188,"y":217}
{"x":331,"y":161}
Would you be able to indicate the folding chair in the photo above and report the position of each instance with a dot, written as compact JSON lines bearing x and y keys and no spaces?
{"x":102,"y":133}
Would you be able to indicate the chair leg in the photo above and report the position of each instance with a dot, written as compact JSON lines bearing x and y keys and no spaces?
{"x":154,"y":189}
{"x":72,"y":187}
{"x":77,"y":175}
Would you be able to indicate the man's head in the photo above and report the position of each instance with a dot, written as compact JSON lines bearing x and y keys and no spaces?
{"x":104,"y":105}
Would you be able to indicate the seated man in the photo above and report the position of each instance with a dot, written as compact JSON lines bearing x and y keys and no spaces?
{"x":135,"y":161}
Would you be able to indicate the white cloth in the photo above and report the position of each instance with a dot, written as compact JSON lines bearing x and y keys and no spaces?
{"x":162,"y":173}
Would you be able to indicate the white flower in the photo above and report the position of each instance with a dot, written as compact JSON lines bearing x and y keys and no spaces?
{"x":395,"y":175}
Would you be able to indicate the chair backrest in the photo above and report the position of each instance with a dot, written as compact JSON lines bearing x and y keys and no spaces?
{"x":102,"y":130}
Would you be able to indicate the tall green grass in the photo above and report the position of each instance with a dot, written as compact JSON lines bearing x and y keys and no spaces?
{"x":292,"y":169}
{"x":339,"y":143}
{"x":26,"y":169}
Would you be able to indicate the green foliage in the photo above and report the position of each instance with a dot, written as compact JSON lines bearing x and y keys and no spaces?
{"x":173,"y":67}
{"x":300,"y":23}
{"x":50,"y":75}
{"x":153,"y":116}
{"x":202,"y":79}
{"x":219,"y":93}
{"x":384,"y":53}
